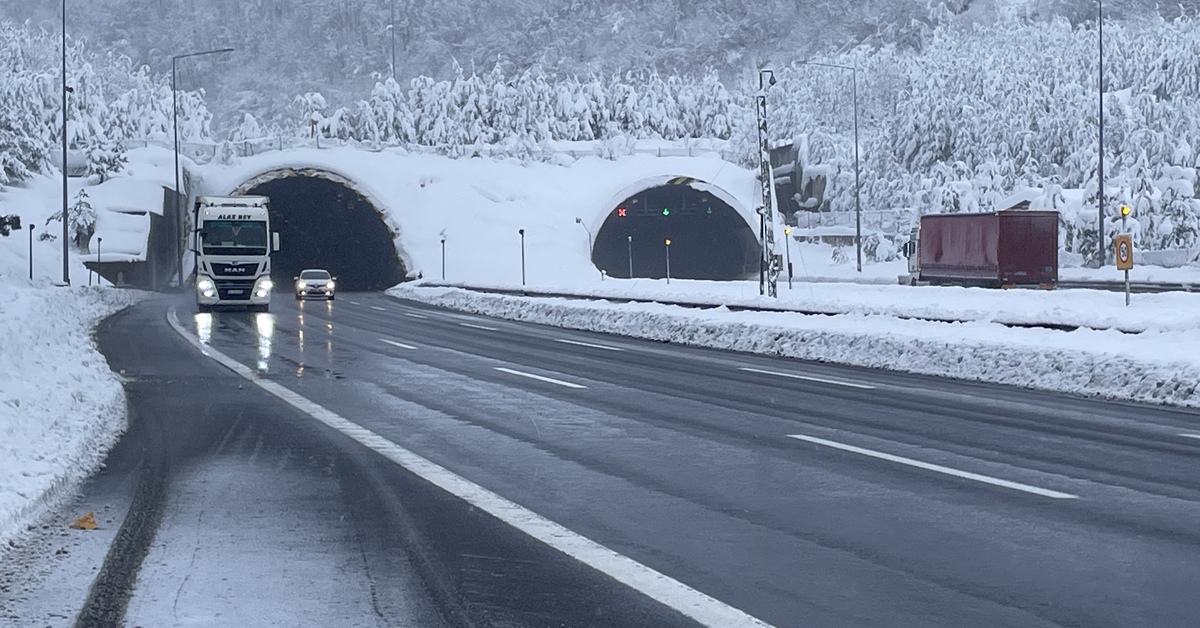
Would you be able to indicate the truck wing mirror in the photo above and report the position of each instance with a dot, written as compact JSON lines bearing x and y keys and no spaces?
{"x":275,"y":241}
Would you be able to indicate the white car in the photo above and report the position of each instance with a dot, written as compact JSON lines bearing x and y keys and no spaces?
{"x":314,"y":283}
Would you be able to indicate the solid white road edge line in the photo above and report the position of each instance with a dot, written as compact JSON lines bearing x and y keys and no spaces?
{"x":1185,"y":435}
{"x":539,"y":377}
{"x":587,"y":344}
{"x":810,"y":378}
{"x":936,"y":467}
{"x":703,"y":608}
{"x":474,"y":326}
{"x":397,"y":344}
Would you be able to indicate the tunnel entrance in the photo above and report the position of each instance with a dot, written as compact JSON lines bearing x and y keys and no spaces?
{"x":709,"y":239}
{"x":325,"y":224}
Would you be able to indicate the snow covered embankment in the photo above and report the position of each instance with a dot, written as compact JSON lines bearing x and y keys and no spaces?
{"x":61,"y":408}
{"x":1096,"y":363}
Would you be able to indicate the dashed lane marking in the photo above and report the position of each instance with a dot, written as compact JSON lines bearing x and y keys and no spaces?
{"x":539,"y":378}
{"x":381,"y":309}
{"x":809,"y":378}
{"x":703,"y":608}
{"x":397,"y":344}
{"x":1196,"y":436}
{"x":587,"y":344}
{"x":474,"y":326}
{"x":935,"y":467}
{"x":411,"y":315}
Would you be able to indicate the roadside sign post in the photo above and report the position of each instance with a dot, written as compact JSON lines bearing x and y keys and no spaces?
{"x":1123,"y":246}
{"x":1124,"y":249}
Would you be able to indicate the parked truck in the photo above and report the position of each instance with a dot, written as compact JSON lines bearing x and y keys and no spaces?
{"x":996,"y":249}
{"x":233,"y":248}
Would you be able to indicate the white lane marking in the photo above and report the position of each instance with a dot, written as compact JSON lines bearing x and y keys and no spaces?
{"x":810,"y":378}
{"x":474,"y":326}
{"x":1185,"y":435}
{"x":587,"y":344}
{"x":656,"y":585}
{"x":397,"y":344}
{"x":355,"y":303}
{"x":410,"y":314}
{"x":381,"y":309}
{"x":936,"y":467}
{"x":539,"y":377}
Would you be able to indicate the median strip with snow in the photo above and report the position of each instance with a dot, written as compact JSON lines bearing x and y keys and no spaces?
{"x":1158,"y":365}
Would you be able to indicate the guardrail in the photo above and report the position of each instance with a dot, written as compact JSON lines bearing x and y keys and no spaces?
{"x":1134,"y":286}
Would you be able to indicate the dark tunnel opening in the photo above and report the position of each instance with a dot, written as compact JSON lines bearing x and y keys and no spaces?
{"x":324,"y":224}
{"x":709,"y":240}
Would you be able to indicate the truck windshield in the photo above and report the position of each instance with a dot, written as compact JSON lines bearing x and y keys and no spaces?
{"x":234,"y":237}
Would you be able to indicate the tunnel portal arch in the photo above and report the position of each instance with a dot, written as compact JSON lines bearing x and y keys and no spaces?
{"x":710,"y":236}
{"x":326,"y":221}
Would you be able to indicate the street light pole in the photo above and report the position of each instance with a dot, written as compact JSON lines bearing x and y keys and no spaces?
{"x":180,"y":213}
{"x":591,"y":249}
{"x":65,"y":234}
{"x":443,"y":259}
{"x":766,"y":266}
{"x":668,"y":261}
{"x":787,"y":250}
{"x":1100,"y":170}
{"x":630,"y":256}
{"x":31,"y":226}
{"x":99,"y":241}
{"x":857,"y":186}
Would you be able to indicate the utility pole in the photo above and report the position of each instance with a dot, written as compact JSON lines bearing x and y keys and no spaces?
{"x":392,"y":28}
{"x":65,"y":234}
{"x":1100,"y":170}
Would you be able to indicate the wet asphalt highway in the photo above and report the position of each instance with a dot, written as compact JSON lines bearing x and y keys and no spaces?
{"x":802,"y":494}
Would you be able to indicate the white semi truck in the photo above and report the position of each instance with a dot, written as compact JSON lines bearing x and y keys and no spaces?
{"x":233,"y":250}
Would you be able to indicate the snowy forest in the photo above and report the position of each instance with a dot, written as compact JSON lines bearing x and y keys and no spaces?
{"x":953,"y":114}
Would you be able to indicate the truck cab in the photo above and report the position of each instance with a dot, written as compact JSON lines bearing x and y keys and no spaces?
{"x":233,"y":246}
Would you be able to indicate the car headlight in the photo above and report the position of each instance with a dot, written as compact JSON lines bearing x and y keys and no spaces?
{"x":301,"y":285}
{"x":329,"y":284}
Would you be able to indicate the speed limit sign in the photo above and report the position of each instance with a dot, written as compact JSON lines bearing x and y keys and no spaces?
{"x":1124,"y":249}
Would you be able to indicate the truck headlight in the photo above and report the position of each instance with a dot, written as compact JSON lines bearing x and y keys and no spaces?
{"x":263,"y":287}
{"x":206,"y":287}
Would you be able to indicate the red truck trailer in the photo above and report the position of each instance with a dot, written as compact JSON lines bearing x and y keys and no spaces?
{"x":996,"y":249}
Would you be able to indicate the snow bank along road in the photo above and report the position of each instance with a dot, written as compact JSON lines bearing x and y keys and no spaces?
{"x":722,"y":487}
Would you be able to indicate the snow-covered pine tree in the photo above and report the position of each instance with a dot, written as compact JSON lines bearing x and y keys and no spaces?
{"x":105,"y":159}
{"x":82,"y":224}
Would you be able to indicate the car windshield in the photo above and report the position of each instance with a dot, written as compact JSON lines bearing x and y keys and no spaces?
{"x":234,"y":237}
{"x":314,"y":274}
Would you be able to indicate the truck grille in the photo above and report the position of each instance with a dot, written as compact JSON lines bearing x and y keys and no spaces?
{"x":234,"y":289}
{"x":232,"y":270}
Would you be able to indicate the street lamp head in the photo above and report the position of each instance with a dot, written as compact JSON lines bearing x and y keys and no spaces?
{"x":668,"y":242}
{"x":521,"y":231}
{"x":578,"y":220}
